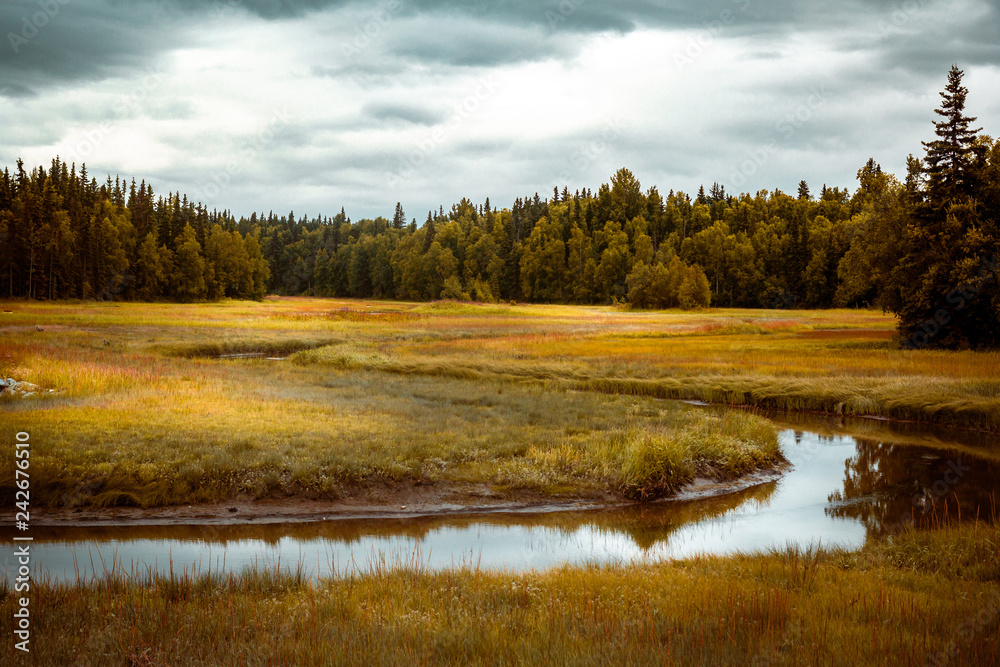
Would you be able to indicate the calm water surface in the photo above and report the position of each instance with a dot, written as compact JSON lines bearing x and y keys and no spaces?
{"x":841,"y":490}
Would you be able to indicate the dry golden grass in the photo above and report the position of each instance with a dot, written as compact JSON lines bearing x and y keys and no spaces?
{"x":386,"y":392}
{"x":921,"y":599}
{"x":448,"y":394}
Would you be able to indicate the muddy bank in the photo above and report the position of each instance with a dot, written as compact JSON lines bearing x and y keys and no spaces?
{"x":399,"y":502}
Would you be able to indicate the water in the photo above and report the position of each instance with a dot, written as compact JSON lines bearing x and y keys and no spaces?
{"x":841,"y":490}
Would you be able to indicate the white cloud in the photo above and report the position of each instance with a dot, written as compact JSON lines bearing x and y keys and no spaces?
{"x":354,"y":106}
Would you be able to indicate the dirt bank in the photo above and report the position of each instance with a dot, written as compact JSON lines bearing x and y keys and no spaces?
{"x":389,"y":502}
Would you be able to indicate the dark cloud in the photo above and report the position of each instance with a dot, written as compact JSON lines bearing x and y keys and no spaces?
{"x":456,"y":43}
{"x":412,"y":114}
{"x":57,"y":41}
{"x":16,"y":90}
{"x":96,"y":39}
{"x":268,"y":9}
{"x":366,"y":77}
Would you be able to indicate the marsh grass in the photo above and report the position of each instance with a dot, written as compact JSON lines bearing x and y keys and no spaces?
{"x":533,"y":401}
{"x":905,"y":601}
{"x":254,"y":429}
{"x":955,"y":402}
{"x":248,"y":345}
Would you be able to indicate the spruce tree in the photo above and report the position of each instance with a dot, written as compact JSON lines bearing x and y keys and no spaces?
{"x":398,"y":218}
{"x":949,"y":157}
{"x":946,"y":278}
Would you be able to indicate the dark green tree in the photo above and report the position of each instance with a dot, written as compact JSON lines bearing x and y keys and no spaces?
{"x":949,"y":157}
{"x":947,"y":275}
{"x":398,"y":218}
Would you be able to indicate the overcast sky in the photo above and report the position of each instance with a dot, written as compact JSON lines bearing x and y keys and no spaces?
{"x":258,"y":105}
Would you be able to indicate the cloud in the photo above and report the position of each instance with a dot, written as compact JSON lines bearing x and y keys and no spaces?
{"x":701,"y":92}
{"x":402,"y":112}
{"x":55,"y":42}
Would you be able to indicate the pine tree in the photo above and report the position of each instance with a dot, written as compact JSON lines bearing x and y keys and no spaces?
{"x":398,"y":218}
{"x":943,"y":299}
{"x":189,"y":278}
{"x":804,"y":190}
{"x":949,"y":156}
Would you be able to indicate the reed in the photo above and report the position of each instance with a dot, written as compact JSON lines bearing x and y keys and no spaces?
{"x":920,"y":598}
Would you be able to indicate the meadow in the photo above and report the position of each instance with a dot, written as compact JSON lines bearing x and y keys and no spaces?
{"x":156,"y":405}
{"x":373,"y":399}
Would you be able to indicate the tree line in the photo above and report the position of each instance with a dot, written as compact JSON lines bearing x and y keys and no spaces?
{"x":925,"y":248}
{"x":63,"y":236}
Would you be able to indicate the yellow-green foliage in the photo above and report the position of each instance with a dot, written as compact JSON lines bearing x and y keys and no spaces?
{"x":903,"y":602}
{"x":210,"y":430}
{"x":532,"y":399}
{"x":653,"y":464}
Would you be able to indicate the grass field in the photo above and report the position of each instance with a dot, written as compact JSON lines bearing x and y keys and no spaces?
{"x":923,"y":598}
{"x":527,"y":401}
{"x":370,"y":400}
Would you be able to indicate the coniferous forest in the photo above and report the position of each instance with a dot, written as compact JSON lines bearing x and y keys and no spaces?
{"x":924,"y":247}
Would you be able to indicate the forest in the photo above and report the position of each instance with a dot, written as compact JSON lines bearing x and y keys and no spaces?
{"x":924,"y":247}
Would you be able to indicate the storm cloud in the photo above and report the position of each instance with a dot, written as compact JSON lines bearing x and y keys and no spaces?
{"x":254,"y":105}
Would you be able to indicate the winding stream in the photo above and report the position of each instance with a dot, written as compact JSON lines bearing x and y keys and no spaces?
{"x":850,"y":480}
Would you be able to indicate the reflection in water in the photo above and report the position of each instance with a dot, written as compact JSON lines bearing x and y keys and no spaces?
{"x":839,"y":491}
{"x":890,"y":486}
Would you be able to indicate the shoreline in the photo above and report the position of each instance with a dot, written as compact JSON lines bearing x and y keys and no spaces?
{"x":409,"y":503}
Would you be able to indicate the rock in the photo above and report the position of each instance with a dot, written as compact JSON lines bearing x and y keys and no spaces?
{"x":23,"y":389}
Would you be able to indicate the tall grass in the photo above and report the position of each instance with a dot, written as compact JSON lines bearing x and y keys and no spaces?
{"x":954,"y":402}
{"x":893,"y":602}
{"x":209,"y":431}
{"x":533,"y":401}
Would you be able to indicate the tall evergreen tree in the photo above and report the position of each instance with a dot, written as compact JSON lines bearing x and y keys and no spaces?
{"x":804,"y":190}
{"x":949,"y":157}
{"x":946,"y":278}
{"x":398,"y":218}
